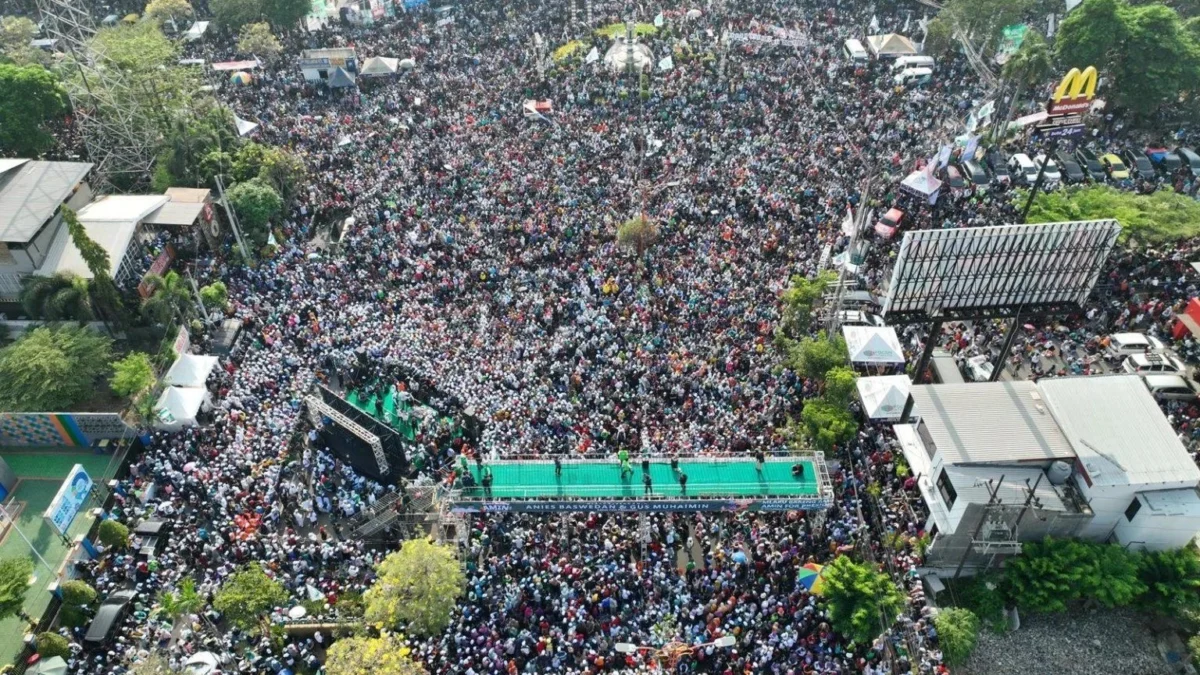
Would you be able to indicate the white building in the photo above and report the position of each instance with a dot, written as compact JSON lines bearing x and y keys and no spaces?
{"x":32,"y":194}
{"x":1088,"y":457}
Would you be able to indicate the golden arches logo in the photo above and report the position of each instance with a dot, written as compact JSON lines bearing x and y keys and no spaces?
{"x":1077,"y":84}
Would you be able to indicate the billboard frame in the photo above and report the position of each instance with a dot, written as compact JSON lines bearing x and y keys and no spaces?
{"x":999,"y":271}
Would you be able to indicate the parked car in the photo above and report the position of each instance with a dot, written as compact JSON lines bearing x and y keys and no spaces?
{"x":1171,"y":387}
{"x":955,"y":178}
{"x":1164,"y":160}
{"x":862,"y":300}
{"x":1121,"y":345}
{"x":979,"y":368}
{"x":976,"y":174}
{"x":150,"y":538}
{"x":108,"y":619}
{"x":855,"y":317}
{"x":1023,"y":168}
{"x":1090,"y":163}
{"x":1153,"y":363}
{"x":1114,"y":167}
{"x":1051,"y":176}
{"x":889,"y":222}
{"x":1189,"y":157}
{"x":1139,"y":163}
{"x":997,"y":163}
{"x":1071,"y":171}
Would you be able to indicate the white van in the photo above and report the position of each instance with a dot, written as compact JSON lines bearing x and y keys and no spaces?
{"x":905,"y":62}
{"x":913,"y":76}
{"x":1121,"y":345}
{"x":855,"y":52}
{"x":1019,"y":165}
{"x":1172,"y":387}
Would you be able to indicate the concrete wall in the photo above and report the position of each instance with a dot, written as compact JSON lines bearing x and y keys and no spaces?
{"x":60,"y":429}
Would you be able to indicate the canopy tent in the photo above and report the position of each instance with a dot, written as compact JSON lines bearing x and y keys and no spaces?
{"x":921,"y":184}
{"x":55,"y":665}
{"x":891,"y":44}
{"x":873,"y":345}
{"x":196,"y":31}
{"x":408,"y":64}
{"x":190,"y":370}
{"x":340,"y":78}
{"x":883,"y":397}
{"x":178,"y":406}
{"x":244,"y":127}
{"x":379,"y":66}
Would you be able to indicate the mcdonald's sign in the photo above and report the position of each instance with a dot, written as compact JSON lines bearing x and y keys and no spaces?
{"x":1074,"y":93}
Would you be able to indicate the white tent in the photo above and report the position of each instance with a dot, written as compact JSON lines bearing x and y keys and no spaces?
{"x":891,"y":44}
{"x":379,"y":66}
{"x":177,"y":407}
{"x":190,"y":370}
{"x":244,"y":127}
{"x":884,"y":397}
{"x":873,"y":345}
{"x":921,"y":184}
{"x":196,"y":31}
{"x":407,"y":64}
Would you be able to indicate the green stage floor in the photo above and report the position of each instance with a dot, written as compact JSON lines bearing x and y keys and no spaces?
{"x":602,"y":479}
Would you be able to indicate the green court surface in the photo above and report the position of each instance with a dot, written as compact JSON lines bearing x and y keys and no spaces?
{"x":40,"y":473}
{"x":602,"y":479}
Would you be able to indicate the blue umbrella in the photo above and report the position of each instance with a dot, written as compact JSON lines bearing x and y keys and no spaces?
{"x":738,"y":557}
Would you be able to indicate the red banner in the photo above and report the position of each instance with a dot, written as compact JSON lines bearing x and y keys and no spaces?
{"x":160,"y":265}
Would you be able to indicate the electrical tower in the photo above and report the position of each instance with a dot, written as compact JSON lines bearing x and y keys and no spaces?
{"x":119,"y":138}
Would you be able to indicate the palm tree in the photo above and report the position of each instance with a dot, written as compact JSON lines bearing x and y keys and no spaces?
{"x":62,"y":297}
{"x":168,"y":298}
{"x":188,"y":143}
{"x":1028,"y":67}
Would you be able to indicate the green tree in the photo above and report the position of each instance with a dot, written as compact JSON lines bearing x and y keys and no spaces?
{"x":1115,"y":582}
{"x":813,"y":357}
{"x":1092,"y":34}
{"x":14,"y":582}
{"x":169,"y":298}
{"x":113,"y":534}
{"x":159,"y":87}
{"x":826,"y":424}
{"x":1172,"y":581}
{"x":162,"y":11}
{"x":104,"y":290}
{"x":132,"y":374}
{"x":286,"y":14}
{"x":51,"y":368}
{"x":862,"y":602}
{"x":248,"y":595}
{"x":1157,"y":218}
{"x":135,"y":47}
{"x":187,"y":600}
{"x":77,"y":592}
{"x":50,"y":645}
{"x":62,"y":297}
{"x":982,"y":20}
{"x":939,"y":38}
{"x":371,"y":656}
{"x":215,"y":295}
{"x":233,"y":14}
{"x":1028,"y":67}
{"x":257,"y":39}
{"x":189,"y":141}
{"x":957,"y":630}
{"x":841,"y":385}
{"x":799,"y":300}
{"x":256,"y":204}
{"x":30,"y":96}
{"x":16,"y":33}
{"x":1051,"y":574}
{"x":416,"y":586}
{"x":638,"y":233}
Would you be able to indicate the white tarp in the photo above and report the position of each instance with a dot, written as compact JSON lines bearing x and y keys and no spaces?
{"x":196,"y":31}
{"x":178,"y":406}
{"x":379,"y":66}
{"x":921,"y":184}
{"x":873,"y":345}
{"x":190,"y":370}
{"x":891,"y":44}
{"x":884,"y":397}
{"x":244,"y":127}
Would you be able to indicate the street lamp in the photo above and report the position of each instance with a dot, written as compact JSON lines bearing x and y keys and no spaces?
{"x":672,"y":652}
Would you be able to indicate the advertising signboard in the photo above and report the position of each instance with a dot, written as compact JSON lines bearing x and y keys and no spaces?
{"x":70,"y":499}
{"x":1074,"y":93}
{"x":639,"y":505}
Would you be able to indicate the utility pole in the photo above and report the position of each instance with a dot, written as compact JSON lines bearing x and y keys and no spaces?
{"x":991,"y":504}
{"x":1029,"y":499}
{"x":233,"y":221}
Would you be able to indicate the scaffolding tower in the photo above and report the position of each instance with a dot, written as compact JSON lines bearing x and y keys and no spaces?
{"x":119,"y":137}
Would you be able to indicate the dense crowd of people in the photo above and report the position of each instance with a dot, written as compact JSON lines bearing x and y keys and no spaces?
{"x":481,"y":264}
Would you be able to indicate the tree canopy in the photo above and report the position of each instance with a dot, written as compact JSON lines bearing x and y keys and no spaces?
{"x":1146,"y":54}
{"x":862,"y":601}
{"x":257,"y":39}
{"x":256,"y":204}
{"x":14,"y":582}
{"x":812,"y":357}
{"x":385,"y":655}
{"x":799,"y":300}
{"x":283,"y":14}
{"x":1160,"y":217}
{"x":16,"y":33}
{"x":132,"y":374}
{"x":161,"y":11}
{"x":638,"y":233}
{"x":52,"y":368}
{"x":248,"y":595}
{"x":417,"y":587}
{"x":30,"y":97}
{"x":958,"y":629}
{"x":62,"y":297}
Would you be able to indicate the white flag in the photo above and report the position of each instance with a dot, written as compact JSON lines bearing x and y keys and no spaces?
{"x":659,"y":21}
{"x":667,"y":63}
{"x":874,"y":24}
{"x":592,"y":56}
{"x":907,"y":20}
